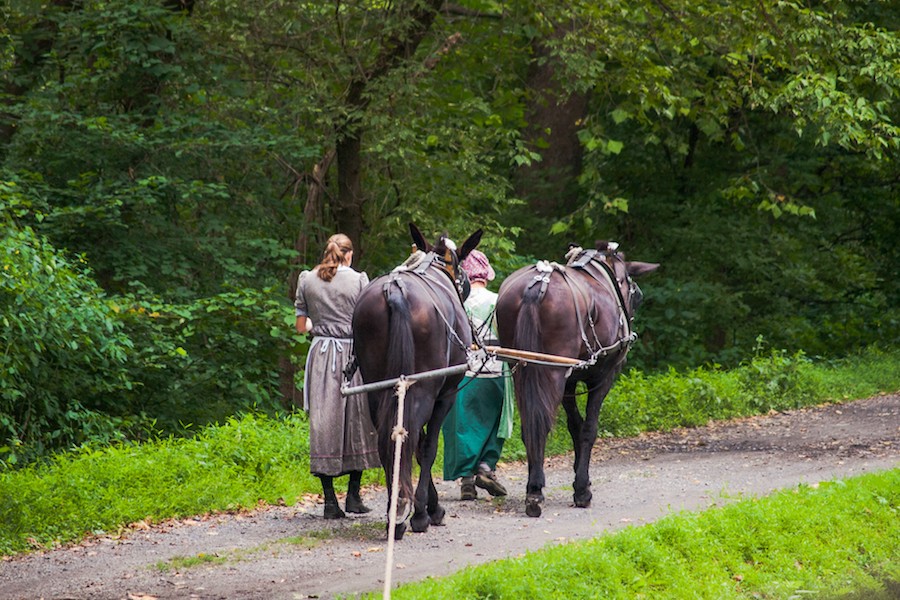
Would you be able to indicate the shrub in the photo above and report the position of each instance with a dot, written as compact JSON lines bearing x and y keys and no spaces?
{"x":204,"y":361}
{"x":64,"y":354}
{"x":777,"y":381}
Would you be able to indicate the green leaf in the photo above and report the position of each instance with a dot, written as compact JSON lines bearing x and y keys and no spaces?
{"x":614,"y":146}
{"x":558,"y":227}
{"x":619,"y":116}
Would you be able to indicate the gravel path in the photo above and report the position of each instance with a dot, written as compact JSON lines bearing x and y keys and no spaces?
{"x":289,"y":553}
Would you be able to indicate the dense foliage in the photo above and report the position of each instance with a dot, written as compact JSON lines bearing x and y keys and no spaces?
{"x":176,"y":162}
{"x":64,"y":353}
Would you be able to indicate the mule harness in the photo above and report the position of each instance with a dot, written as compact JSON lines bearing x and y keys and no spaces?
{"x":584,"y":260}
{"x":421,"y":268}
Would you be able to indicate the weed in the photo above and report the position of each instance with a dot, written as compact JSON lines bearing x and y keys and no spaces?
{"x":180,"y":563}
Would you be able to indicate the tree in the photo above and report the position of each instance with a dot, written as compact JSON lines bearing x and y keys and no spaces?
{"x":702,"y":114}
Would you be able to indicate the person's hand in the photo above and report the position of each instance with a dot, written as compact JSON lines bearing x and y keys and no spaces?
{"x":303,"y":325}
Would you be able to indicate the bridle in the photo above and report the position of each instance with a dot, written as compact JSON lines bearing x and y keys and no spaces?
{"x":608,"y":260}
{"x":449,"y":264}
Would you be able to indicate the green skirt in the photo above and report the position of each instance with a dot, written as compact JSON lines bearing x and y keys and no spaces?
{"x":471,"y":427}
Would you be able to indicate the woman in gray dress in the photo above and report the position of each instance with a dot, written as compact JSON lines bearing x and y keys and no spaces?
{"x":342,"y":439}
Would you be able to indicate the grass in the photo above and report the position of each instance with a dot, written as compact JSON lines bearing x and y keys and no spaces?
{"x":255,"y":459}
{"x":236,"y":465}
{"x":834,"y":540}
{"x":180,"y":563}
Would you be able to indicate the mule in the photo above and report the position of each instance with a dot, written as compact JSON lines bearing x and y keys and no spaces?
{"x":582,"y":310}
{"x":410,"y":321}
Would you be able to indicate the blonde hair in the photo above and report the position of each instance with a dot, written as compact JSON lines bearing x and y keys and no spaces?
{"x":336,"y":249}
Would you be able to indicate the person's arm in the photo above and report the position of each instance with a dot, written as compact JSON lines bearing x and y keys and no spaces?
{"x":303,"y":323}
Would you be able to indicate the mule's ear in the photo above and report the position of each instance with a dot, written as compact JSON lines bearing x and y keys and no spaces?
{"x":470,"y":244}
{"x":418,"y":238}
{"x":636,"y":268}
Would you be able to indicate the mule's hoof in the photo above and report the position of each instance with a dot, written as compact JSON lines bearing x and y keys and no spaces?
{"x":404,"y":510}
{"x":583,"y":500}
{"x":399,"y":530}
{"x":437,"y":517}
{"x":419,"y":525}
{"x":532,"y":508}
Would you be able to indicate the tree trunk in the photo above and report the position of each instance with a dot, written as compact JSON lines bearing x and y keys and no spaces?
{"x":347,"y":211}
{"x":554,"y":118}
{"x":395,"y":48}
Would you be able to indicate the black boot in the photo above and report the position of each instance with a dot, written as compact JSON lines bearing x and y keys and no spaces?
{"x":332,"y":508}
{"x":354,"y":503}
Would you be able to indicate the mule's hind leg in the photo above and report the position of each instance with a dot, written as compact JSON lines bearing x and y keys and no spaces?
{"x":403,"y":512}
{"x":427,"y":453}
{"x":404,"y":505}
{"x":535,"y":440}
{"x":534,"y":494}
{"x":420,"y":519}
{"x":597,"y":392}
{"x":575,"y":424}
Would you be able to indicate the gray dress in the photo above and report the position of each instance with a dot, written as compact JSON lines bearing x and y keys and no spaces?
{"x":341,"y":435}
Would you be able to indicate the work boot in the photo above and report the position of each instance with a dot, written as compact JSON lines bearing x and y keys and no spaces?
{"x":467,"y":489}
{"x":487,"y":480}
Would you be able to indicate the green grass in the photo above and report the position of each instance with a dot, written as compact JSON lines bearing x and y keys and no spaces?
{"x":834,"y":540}
{"x":255,"y":459}
{"x":181,"y":563}
{"x":228,"y":467}
{"x":307,"y":541}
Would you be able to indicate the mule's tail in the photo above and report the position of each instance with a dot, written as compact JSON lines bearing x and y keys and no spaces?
{"x":400,"y":360}
{"x":535,"y":391}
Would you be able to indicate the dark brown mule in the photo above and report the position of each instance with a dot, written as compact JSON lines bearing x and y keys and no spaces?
{"x":582,"y":310}
{"x":410,"y":321}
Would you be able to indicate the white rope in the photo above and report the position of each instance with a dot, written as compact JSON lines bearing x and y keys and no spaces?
{"x":398,"y":435}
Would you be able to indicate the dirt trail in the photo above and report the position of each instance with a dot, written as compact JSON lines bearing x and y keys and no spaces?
{"x":635,"y":481}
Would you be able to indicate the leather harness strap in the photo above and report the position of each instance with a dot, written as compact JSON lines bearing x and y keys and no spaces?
{"x":594,"y":265}
{"x":421,"y":273}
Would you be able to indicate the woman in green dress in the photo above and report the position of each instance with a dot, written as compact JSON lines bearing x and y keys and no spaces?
{"x":481,"y":418}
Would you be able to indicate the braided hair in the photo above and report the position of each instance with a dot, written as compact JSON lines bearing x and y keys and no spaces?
{"x":336,"y":249}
